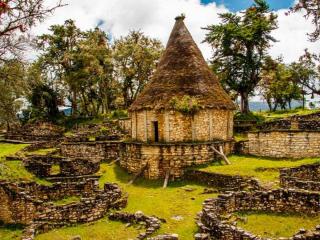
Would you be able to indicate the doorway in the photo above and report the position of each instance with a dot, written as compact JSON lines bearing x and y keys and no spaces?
{"x":156,"y":131}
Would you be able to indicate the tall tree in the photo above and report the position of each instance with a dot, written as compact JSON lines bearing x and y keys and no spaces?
{"x":93,"y":70}
{"x":13,"y":86}
{"x":306,"y":72}
{"x":240,"y":44}
{"x":58,"y":49}
{"x":16,"y":18}
{"x":312,"y":8}
{"x":277,"y":85}
{"x":135,"y":59}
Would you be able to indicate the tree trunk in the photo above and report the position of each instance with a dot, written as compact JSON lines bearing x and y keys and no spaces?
{"x":245,"y":103}
{"x":74,"y":103}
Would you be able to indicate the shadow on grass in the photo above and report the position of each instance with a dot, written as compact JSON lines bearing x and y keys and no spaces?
{"x":122,"y":177}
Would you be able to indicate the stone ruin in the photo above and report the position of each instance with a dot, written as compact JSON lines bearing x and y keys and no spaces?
{"x":215,"y":220}
{"x":306,"y":177}
{"x":35,"y":132}
{"x":300,"y":193}
{"x":30,"y":204}
{"x":42,"y":166}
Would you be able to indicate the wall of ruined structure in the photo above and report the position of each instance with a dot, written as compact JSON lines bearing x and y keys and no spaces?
{"x":305,"y":177}
{"x":206,"y":125}
{"x":163,"y":157}
{"x":25,"y":205}
{"x":213,"y":219}
{"x":285,"y":144}
{"x":34,"y":132}
{"x":222,"y":181}
{"x":103,"y":151}
{"x":41,"y":166}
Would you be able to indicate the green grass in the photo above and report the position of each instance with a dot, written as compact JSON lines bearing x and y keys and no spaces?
{"x":44,"y":151}
{"x":149,"y":197}
{"x":10,"y":232}
{"x":67,"y":200}
{"x":285,"y":113}
{"x":9,"y":149}
{"x":275,"y":225}
{"x":14,"y":170}
{"x":264,"y":169}
{"x":240,"y":137}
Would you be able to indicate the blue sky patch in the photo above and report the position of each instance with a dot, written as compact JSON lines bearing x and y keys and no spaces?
{"x":236,"y":5}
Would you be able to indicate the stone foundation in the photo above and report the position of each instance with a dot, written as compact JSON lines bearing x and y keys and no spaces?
{"x":285,"y":144}
{"x":24,"y":203}
{"x":222,"y":181}
{"x":213,"y":219}
{"x":35,"y":132}
{"x":99,"y":150}
{"x":42,"y":166}
{"x":305,"y":177}
{"x":174,"y":157}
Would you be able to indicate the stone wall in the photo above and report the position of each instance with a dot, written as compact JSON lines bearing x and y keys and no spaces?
{"x":285,"y":144}
{"x":222,"y":181}
{"x":215,"y":216}
{"x":305,"y":177}
{"x":42,"y":166}
{"x":206,"y":125}
{"x":35,"y":132}
{"x":24,"y":203}
{"x":99,"y":150}
{"x":160,"y":158}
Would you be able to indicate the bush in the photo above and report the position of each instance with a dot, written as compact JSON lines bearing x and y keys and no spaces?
{"x":249,"y":117}
{"x":186,"y":105}
{"x":116,"y":114}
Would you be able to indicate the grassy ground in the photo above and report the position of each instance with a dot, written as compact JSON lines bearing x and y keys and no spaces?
{"x":178,"y":204}
{"x":67,"y":200}
{"x":263,"y":223}
{"x":10,"y":232}
{"x":285,"y":113}
{"x":14,"y":170}
{"x":264,"y":169}
{"x":180,"y":200}
{"x":44,"y":151}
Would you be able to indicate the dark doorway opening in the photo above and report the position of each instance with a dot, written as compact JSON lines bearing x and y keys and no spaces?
{"x":156,"y":131}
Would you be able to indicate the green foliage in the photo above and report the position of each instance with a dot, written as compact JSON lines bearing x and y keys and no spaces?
{"x":276,"y":225}
{"x":116,"y":114}
{"x":249,"y":117}
{"x":136,"y":57}
{"x":13,"y":86}
{"x":44,"y":102}
{"x":186,"y":105}
{"x":240,"y":43}
{"x":278,"y":86}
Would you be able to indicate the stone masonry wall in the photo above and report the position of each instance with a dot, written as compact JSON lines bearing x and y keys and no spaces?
{"x":41,"y":166}
{"x":285,"y":144}
{"x":163,"y":157}
{"x":206,"y":125}
{"x":103,"y":151}
{"x":305,"y":177}
{"x":214,"y":218}
{"x":18,"y":206}
{"x":222,"y":181}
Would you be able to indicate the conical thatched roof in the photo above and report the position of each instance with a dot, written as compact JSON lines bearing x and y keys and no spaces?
{"x":182,"y":71}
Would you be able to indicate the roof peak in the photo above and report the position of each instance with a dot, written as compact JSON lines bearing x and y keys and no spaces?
{"x":182,"y":16}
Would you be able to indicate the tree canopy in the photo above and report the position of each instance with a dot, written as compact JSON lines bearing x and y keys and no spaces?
{"x":239,"y":45}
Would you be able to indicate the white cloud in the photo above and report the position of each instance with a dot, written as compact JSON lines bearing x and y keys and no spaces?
{"x":156,"y":18}
{"x":292,"y":36}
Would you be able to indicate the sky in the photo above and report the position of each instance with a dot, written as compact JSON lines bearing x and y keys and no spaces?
{"x":156,"y":18}
{"x":237,"y":5}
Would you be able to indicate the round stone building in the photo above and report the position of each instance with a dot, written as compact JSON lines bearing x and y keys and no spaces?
{"x":180,"y":115}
